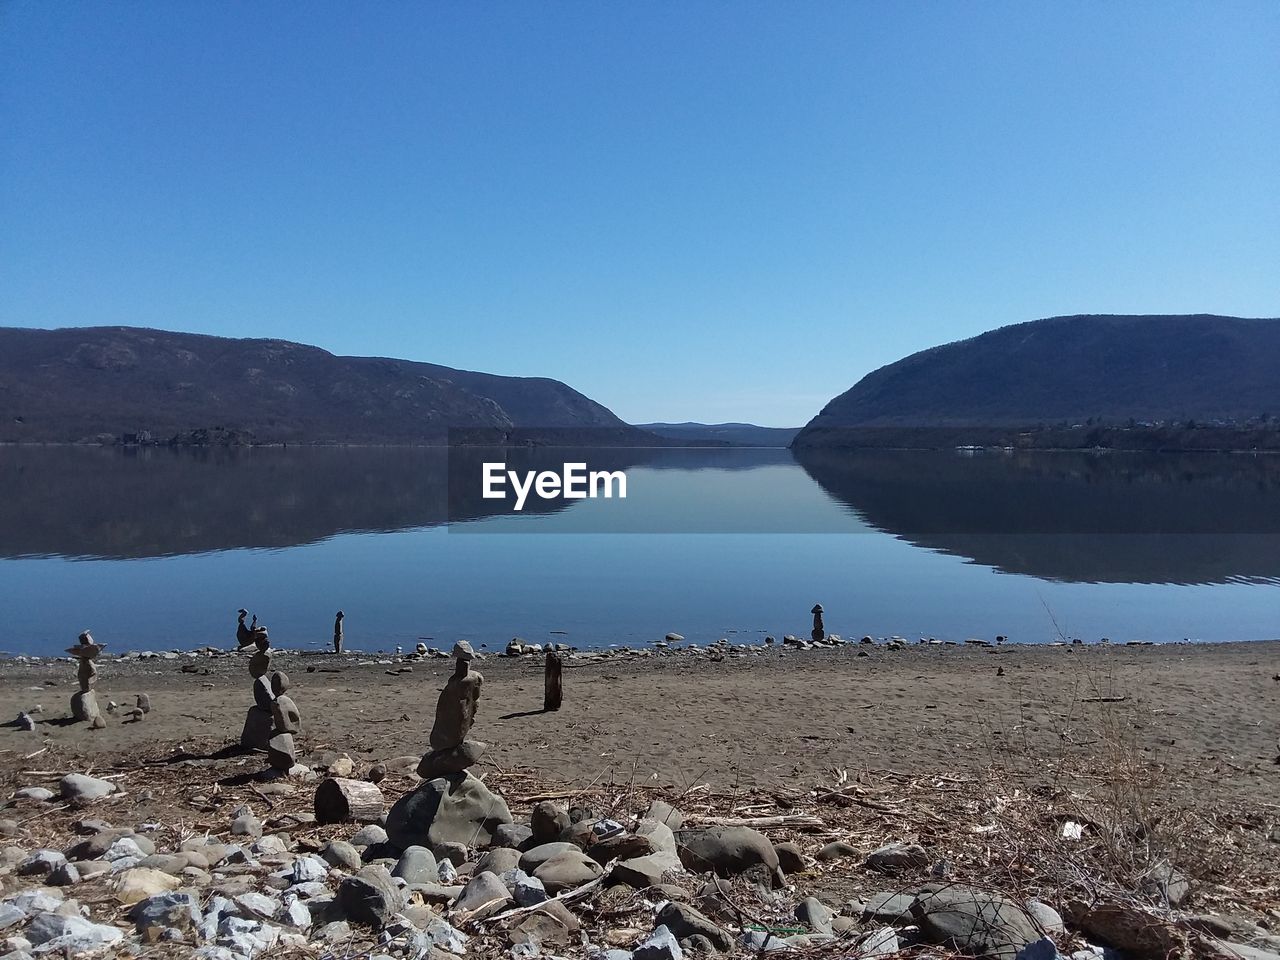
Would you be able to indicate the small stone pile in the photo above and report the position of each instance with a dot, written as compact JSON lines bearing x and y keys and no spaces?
{"x":84,"y":702}
{"x":273,"y":720}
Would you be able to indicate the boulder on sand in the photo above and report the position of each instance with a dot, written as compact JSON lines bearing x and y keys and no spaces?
{"x":455,"y":809}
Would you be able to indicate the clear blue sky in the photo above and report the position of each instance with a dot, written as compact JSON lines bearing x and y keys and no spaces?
{"x":687,"y":210}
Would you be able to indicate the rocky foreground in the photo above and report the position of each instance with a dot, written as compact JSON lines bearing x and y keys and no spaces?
{"x":505,"y":865}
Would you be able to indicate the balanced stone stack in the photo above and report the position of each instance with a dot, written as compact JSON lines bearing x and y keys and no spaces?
{"x":819,"y":631}
{"x":452,"y":805}
{"x":259,"y":722}
{"x":84,"y":702}
{"x":451,"y":751}
{"x":286,"y":721}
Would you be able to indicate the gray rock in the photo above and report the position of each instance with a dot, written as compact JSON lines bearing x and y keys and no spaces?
{"x":889,"y":907}
{"x":180,"y":910}
{"x":41,"y":863}
{"x":790,"y":857}
{"x":32,"y":902}
{"x":442,"y":936}
{"x":10,"y":915}
{"x":660,"y":836}
{"x":246,"y":825}
{"x":34,"y":793}
{"x":567,"y":871}
{"x":548,"y":820}
{"x":647,"y":871}
{"x":131,"y":847}
{"x":368,"y":835}
{"x":685,"y":922}
{"x":513,"y":835}
{"x":1244,"y":951}
{"x":535,"y":857}
{"x":525,"y":890}
{"x":454,"y":809}
{"x":369,"y":897}
{"x":76,"y":786}
{"x":66,"y":875}
{"x":308,"y":870}
{"x":1165,"y":883}
{"x":973,"y":921}
{"x":727,"y":851}
{"x":659,"y":945}
{"x":484,"y":895}
{"x":417,"y":865}
{"x":55,"y":932}
{"x":664,"y":813}
{"x":815,"y":915}
{"x":498,"y":861}
{"x":897,"y":857}
{"x":1042,"y":949}
{"x":837,"y":850}
{"x":1048,"y":919}
{"x":341,"y":854}
{"x":296,"y":914}
{"x":879,"y":943}
{"x":254,"y":904}
{"x":448,"y":873}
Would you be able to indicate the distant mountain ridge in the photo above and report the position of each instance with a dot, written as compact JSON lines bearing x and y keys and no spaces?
{"x":99,"y":383}
{"x":735,"y":434}
{"x":1072,"y":371}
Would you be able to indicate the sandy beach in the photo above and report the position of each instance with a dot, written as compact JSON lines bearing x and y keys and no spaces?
{"x":1205,"y":714}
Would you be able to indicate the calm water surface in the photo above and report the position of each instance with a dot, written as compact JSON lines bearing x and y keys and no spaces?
{"x":156,"y":549}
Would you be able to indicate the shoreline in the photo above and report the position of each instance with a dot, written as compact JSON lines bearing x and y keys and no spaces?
{"x":657,"y":648}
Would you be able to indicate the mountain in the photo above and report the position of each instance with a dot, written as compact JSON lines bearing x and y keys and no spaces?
{"x":1067,"y":373}
{"x":718,"y":434}
{"x":102,"y":383}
